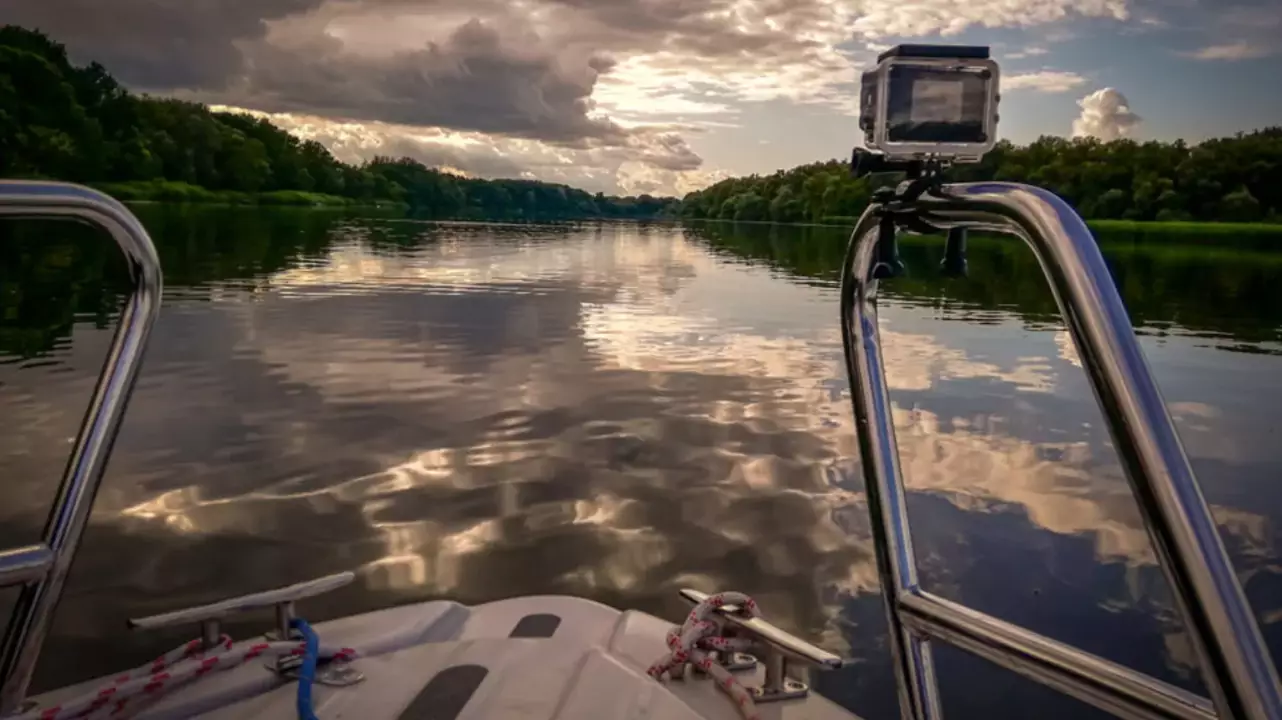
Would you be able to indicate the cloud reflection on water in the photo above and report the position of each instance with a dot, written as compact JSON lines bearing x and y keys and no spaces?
{"x":609,"y":412}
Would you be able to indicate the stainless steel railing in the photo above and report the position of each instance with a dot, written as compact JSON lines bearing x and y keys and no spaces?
{"x":42,"y":569}
{"x":1235,"y":662}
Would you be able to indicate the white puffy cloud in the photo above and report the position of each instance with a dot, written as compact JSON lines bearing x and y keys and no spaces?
{"x":1106,"y":114}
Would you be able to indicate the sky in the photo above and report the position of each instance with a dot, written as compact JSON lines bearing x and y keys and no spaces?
{"x":666,"y":96}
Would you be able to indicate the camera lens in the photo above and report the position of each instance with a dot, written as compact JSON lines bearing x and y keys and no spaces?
{"x":932,"y":105}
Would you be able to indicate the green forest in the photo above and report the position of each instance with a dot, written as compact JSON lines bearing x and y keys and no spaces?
{"x":1237,"y":179}
{"x":59,"y":121}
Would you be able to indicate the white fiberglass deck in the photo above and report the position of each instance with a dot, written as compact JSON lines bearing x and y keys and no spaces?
{"x":592,"y":666}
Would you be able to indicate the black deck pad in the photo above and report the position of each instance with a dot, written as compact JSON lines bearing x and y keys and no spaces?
{"x":540,"y":625}
{"x":445,"y":695}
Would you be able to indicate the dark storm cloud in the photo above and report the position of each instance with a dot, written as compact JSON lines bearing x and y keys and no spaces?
{"x":714,"y":28}
{"x":156,"y":44}
{"x":473,"y":80}
{"x":216,"y":51}
{"x":483,"y":66}
{"x":492,"y":73}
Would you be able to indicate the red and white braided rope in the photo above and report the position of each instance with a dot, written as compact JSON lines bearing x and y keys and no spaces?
{"x":693,"y":642}
{"x":127,"y":692}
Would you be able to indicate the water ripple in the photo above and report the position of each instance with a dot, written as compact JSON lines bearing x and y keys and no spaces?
{"x":477,"y":411}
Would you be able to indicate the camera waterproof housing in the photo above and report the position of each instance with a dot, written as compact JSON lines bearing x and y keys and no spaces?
{"x":931,"y":102}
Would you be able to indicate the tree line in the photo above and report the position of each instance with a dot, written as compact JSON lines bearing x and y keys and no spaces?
{"x":1234,"y":179}
{"x":64,"y":122}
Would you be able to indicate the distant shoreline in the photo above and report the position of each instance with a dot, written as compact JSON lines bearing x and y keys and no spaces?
{"x":177,"y":193}
{"x":169,"y":192}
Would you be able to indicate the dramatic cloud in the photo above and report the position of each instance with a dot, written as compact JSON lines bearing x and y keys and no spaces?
{"x":719,"y":51}
{"x":530,"y":68}
{"x":534,"y":86}
{"x":1106,"y":114}
{"x":474,"y":79}
{"x":1044,"y":81}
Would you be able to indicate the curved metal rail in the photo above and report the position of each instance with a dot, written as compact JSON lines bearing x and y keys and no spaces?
{"x":1235,"y":662}
{"x":42,"y":569}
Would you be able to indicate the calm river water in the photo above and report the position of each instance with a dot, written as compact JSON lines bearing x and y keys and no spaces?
{"x":619,"y":410}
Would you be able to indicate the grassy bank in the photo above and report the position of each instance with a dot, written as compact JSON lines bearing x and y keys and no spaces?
{"x":1199,"y":228}
{"x":181,"y":192}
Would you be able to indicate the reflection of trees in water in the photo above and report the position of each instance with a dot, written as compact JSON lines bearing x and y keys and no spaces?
{"x":1221,"y":287}
{"x":54,"y":273}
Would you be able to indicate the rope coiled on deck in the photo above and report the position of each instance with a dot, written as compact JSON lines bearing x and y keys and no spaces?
{"x":698,"y":637}
{"x":129,"y":692}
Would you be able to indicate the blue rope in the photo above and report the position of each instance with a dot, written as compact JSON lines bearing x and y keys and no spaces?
{"x":306,"y":673}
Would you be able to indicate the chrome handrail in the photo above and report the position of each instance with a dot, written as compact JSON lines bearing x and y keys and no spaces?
{"x":42,"y":569}
{"x":1235,"y":662}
